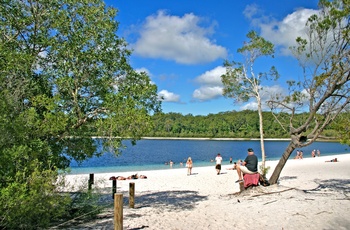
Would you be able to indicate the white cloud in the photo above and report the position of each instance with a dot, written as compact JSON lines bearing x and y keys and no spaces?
{"x":210,"y":84}
{"x":181,"y":39}
{"x":251,"y":10}
{"x":167,"y":96}
{"x":266,"y":94}
{"x":253,"y":105}
{"x":282,"y":33}
{"x":271,"y":92}
{"x":212,"y":77}
{"x":207,"y":92}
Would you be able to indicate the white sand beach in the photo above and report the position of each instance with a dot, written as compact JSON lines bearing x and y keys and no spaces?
{"x":311,"y":194}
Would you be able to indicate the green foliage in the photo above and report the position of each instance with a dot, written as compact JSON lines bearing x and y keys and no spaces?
{"x":264,"y":170}
{"x":341,"y":127}
{"x":240,"y":81}
{"x":234,"y":124}
{"x":64,"y":77}
{"x":31,"y":201}
{"x":257,"y":46}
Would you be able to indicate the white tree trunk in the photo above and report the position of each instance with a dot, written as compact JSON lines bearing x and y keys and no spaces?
{"x":261,"y":128}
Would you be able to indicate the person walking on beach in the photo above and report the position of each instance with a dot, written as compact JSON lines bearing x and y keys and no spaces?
{"x":248,"y":166}
{"x":218,"y":160}
{"x":189,"y":165}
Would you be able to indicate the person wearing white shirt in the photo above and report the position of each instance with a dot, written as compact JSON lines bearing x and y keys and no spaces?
{"x":218,"y":160}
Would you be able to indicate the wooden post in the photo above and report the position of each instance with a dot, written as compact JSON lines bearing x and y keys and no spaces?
{"x":92,"y":178}
{"x":118,"y":211}
{"x":114,"y":187}
{"x":241,"y":186}
{"x":131,"y":195}
{"x":91,"y":181}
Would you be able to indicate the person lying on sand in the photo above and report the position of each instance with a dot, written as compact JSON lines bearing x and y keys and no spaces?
{"x":333,"y":160}
{"x":120,"y":178}
{"x":134,"y":176}
{"x":233,"y":167}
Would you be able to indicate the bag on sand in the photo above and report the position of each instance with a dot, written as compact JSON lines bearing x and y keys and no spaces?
{"x":263,"y":181}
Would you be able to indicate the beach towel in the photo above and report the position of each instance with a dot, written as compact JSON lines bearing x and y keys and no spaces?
{"x":251,"y":180}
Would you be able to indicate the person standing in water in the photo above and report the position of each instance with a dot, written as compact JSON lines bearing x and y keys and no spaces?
{"x":189,"y":165}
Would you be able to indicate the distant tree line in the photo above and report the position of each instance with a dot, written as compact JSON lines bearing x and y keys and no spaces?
{"x":231,"y":124}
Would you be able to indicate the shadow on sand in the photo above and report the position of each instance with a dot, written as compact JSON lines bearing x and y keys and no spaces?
{"x":166,"y":201}
{"x":337,"y":185}
{"x":171,"y":200}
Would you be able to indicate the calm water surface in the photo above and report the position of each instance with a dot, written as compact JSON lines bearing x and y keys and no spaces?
{"x":152,"y":154}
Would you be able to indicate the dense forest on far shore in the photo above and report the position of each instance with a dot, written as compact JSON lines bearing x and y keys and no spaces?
{"x":232,"y":124}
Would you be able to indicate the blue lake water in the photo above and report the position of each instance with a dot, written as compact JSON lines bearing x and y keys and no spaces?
{"x":152,"y":154}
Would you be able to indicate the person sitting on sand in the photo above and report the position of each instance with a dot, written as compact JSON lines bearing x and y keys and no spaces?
{"x":189,"y":165}
{"x":248,"y":166}
{"x":233,"y":167}
{"x":333,"y":160}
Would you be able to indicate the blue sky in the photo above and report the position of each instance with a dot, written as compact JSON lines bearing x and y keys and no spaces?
{"x":182,"y":45}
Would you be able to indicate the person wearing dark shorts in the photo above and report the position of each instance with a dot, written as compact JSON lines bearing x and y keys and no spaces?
{"x":248,"y":166}
{"x":218,"y":160}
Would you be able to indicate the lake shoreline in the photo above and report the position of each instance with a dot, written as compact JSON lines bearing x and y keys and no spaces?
{"x":229,"y":139}
{"x":154,"y":154}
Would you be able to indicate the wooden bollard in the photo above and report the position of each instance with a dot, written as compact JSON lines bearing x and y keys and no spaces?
{"x":91,"y":180}
{"x":241,"y":186}
{"x":131,"y":195}
{"x":118,"y":211}
{"x":114,"y":185}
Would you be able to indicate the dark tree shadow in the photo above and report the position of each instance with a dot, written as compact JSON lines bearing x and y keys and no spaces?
{"x":338,"y":185}
{"x":288,"y":178}
{"x":172,"y":200}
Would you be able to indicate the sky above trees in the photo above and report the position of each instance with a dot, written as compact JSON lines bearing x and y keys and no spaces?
{"x":182,"y":45}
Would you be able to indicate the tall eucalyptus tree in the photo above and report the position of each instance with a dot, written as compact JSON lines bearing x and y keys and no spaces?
{"x":241,"y":81}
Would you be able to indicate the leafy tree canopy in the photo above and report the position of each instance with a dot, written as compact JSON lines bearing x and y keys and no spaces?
{"x":323,"y":55}
{"x":64,"y":75}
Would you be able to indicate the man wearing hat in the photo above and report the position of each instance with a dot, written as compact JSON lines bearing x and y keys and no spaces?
{"x":248,"y":166}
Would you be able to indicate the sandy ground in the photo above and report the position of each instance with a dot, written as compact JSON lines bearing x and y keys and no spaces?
{"x":311,"y":194}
